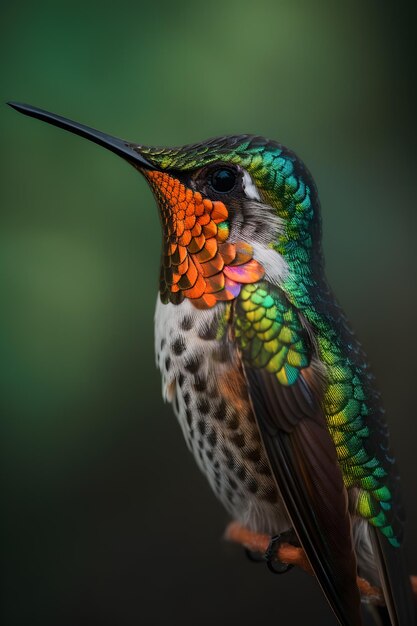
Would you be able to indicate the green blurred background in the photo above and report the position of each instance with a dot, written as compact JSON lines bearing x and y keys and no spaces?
{"x":105,"y":518}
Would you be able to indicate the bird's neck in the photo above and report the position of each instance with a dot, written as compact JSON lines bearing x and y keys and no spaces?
{"x":301,"y":248}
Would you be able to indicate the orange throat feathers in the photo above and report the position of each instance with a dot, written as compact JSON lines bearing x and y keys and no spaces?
{"x":198,"y":261}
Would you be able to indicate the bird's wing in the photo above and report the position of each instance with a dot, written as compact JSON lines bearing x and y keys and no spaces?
{"x":395,"y":583}
{"x":360,"y":430}
{"x":285,"y":389}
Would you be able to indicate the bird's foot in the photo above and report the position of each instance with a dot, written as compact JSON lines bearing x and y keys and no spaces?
{"x":270,"y":556}
{"x":274,"y":564}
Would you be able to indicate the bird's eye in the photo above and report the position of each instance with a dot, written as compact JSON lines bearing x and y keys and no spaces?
{"x":223,"y":179}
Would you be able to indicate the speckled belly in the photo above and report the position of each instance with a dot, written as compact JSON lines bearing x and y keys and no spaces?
{"x":202,"y":377}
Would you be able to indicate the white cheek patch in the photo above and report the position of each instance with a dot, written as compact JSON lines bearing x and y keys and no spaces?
{"x":249,"y":187}
{"x":275,"y":266}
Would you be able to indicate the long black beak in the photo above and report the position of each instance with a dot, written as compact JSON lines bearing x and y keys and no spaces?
{"x":125,"y":149}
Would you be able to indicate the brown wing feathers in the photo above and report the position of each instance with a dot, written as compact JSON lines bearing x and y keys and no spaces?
{"x":304,"y":463}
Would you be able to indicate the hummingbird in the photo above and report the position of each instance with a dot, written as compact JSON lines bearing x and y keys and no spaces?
{"x":272,"y":390}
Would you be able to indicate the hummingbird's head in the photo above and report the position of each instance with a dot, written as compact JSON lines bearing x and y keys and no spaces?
{"x":233,"y":209}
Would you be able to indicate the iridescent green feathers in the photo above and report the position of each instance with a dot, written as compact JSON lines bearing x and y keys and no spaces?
{"x":269,"y":333}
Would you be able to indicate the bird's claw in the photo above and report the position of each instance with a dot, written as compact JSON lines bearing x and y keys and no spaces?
{"x":274,"y":565}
